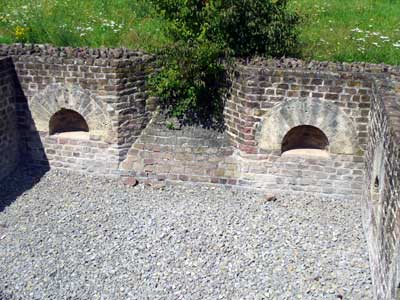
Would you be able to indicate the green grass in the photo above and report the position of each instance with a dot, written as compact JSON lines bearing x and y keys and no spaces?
{"x":93,"y":23}
{"x":335,"y":30}
{"x":350,"y":30}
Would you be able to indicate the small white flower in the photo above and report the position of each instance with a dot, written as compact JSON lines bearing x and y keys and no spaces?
{"x":356,"y":30}
{"x":397,"y":44}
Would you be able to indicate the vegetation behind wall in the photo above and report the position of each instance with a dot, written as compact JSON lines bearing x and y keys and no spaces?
{"x":96,"y":23}
{"x":206,"y":33}
{"x":334,"y":30}
{"x":357,"y":30}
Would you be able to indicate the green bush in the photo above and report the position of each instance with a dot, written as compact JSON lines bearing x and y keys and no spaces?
{"x":256,"y":27}
{"x":189,"y":83}
{"x":204,"y":33}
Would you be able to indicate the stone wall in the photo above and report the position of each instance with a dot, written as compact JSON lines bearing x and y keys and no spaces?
{"x":182,"y":154}
{"x":265,"y":102}
{"x":341,"y":93}
{"x":198,"y":155}
{"x":381,"y":203}
{"x":8,"y":120}
{"x":269,"y":98}
{"x":105,"y":86}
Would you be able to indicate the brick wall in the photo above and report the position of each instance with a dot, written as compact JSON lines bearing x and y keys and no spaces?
{"x":338,"y":176}
{"x":182,"y":154}
{"x":259,"y":86}
{"x":268,"y":98}
{"x":8,"y":121}
{"x":343,"y":94}
{"x":106,"y":86}
{"x":381,"y":203}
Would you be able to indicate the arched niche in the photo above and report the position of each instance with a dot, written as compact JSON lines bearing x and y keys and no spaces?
{"x":305,"y":137}
{"x":327,"y":117}
{"x":57,"y":97}
{"x":67,"y":120}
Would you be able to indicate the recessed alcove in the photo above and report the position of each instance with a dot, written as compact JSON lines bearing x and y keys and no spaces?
{"x":377,"y":175}
{"x":376,"y":185}
{"x":69,"y":123}
{"x":305,"y":140}
{"x":375,"y":191}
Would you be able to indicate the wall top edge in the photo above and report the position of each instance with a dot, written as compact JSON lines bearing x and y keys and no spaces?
{"x":293,"y":64}
{"x":259,"y":63}
{"x":70,"y":52}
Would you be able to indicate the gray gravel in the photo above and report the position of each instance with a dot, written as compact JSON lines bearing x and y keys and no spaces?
{"x":78,"y":237}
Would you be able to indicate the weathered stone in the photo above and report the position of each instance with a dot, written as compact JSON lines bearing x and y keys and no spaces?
{"x":130,"y":181}
{"x":338,"y":127}
{"x":269,"y":198}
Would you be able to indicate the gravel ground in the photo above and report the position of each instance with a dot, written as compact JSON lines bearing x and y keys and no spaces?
{"x":79,"y":237}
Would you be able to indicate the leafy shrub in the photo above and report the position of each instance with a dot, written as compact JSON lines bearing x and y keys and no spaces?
{"x":190,"y":84}
{"x":256,"y":27}
{"x":188,"y":19}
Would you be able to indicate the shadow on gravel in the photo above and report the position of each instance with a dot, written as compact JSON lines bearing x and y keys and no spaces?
{"x":18,"y":182}
{"x":33,"y":162}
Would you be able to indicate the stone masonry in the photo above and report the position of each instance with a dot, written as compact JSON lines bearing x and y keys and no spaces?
{"x":8,"y":126}
{"x":106,"y":87}
{"x":187,"y":154}
{"x":381,"y":203}
{"x":349,"y":114}
{"x":267,"y":100}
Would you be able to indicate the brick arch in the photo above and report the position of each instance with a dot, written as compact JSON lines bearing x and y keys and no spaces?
{"x":55,"y":97}
{"x":326,"y":116}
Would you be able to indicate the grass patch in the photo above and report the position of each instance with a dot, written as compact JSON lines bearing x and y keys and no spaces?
{"x":357,"y":30}
{"x":335,"y":30}
{"x":94,"y":23}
